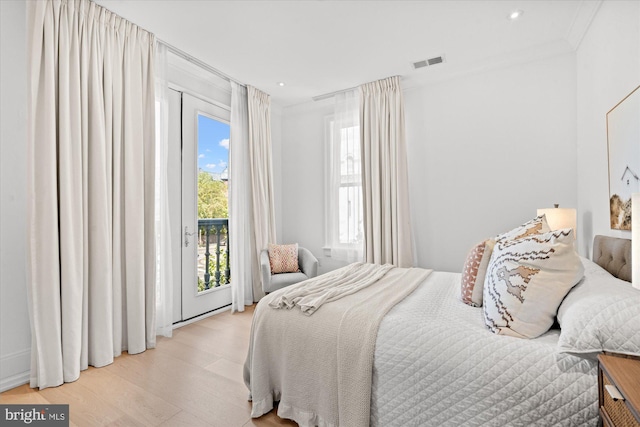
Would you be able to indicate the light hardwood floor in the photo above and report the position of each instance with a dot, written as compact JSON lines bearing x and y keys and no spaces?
{"x":192,"y":379}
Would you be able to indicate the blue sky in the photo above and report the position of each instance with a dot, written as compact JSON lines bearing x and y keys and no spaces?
{"x":213,"y":144}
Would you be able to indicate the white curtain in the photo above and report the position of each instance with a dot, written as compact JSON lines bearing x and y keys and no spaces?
{"x":242,"y":252}
{"x":261,"y":178}
{"x":344,"y":232}
{"x":385,"y":181}
{"x":91,"y":159}
{"x":164,"y":264}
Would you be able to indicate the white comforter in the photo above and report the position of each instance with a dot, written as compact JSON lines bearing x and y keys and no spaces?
{"x":436,"y":364}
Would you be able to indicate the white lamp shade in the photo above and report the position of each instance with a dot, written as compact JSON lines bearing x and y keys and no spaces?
{"x":558,"y":218}
{"x":635,"y":240}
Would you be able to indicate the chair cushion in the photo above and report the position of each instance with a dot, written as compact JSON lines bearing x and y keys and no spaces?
{"x":279,"y":281}
{"x":283,"y":258}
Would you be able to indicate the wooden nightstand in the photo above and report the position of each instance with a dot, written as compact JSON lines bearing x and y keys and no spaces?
{"x":623,"y":373}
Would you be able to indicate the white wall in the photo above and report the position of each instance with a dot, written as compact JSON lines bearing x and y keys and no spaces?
{"x":276,"y":163}
{"x":302,"y":178}
{"x":484,"y":152}
{"x":15,"y":332}
{"x":608,"y":69}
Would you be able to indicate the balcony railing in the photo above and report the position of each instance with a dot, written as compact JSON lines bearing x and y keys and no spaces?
{"x":213,"y":253}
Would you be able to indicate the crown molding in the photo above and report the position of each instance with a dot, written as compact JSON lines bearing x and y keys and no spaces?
{"x":582,"y":21}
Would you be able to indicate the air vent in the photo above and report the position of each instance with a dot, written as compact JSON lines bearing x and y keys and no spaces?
{"x":428,"y":62}
{"x":420,"y":64}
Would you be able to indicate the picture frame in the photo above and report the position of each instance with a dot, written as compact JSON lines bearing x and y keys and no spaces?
{"x":623,"y":143}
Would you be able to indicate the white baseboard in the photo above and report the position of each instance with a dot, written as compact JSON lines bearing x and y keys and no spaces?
{"x":14,"y":381}
{"x":16,"y":366}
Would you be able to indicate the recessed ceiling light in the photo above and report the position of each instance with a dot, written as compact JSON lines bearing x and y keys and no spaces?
{"x":280,"y":84}
{"x":516,"y":14}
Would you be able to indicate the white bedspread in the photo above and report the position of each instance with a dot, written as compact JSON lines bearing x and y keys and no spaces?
{"x":437,"y":365}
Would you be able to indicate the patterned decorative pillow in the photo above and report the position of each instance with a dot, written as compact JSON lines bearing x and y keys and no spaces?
{"x":283,"y":258}
{"x":537,"y":225}
{"x":474,"y":272}
{"x":475,"y":266}
{"x":527,"y":280}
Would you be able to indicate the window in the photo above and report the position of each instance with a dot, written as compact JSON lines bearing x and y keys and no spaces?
{"x":344,"y":225}
{"x":350,"y":189}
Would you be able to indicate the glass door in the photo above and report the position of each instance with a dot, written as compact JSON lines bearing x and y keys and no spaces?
{"x":205,"y":220}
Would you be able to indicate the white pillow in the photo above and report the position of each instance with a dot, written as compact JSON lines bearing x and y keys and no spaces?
{"x":601,"y":313}
{"x":526,"y":282}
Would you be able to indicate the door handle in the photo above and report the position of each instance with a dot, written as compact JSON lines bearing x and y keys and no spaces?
{"x":186,"y":236}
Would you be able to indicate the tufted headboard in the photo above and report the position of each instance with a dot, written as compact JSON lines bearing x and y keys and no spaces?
{"x":614,"y":255}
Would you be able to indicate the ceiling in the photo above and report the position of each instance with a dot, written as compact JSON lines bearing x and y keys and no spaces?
{"x":318,"y":47}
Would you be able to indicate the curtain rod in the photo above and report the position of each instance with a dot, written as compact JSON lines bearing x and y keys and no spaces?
{"x":199,"y":63}
{"x":338,"y":92}
{"x":332,"y":94}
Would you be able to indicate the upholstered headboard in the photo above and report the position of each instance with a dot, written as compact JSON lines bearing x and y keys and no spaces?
{"x":614,"y":255}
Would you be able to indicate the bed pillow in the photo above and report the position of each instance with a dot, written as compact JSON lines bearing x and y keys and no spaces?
{"x":601,"y":313}
{"x":527,"y":280}
{"x":475,"y":265}
{"x":283,"y":258}
{"x":538,"y":225}
{"x":474,"y":272}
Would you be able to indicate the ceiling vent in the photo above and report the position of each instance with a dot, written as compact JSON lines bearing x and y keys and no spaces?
{"x":428,"y":62}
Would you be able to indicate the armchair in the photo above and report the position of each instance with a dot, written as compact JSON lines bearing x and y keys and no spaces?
{"x":272,"y":282}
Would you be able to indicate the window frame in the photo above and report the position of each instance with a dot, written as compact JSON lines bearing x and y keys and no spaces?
{"x":332,"y":236}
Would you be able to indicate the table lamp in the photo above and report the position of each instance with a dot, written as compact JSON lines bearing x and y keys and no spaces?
{"x":558,"y":218}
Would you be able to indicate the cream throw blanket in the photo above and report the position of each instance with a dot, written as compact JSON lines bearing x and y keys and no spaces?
{"x":319,"y":367}
{"x":311,"y":294}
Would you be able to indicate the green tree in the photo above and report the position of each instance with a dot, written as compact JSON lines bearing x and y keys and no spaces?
{"x":212,"y":197}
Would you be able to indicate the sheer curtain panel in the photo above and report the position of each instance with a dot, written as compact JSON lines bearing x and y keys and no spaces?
{"x":264,"y":222}
{"x":387,"y":224}
{"x":164,"y":264}
{"x":91,"y":179}
{"x":243,"y":253}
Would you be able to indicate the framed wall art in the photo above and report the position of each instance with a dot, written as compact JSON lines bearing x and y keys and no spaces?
{"x":623,"y":139}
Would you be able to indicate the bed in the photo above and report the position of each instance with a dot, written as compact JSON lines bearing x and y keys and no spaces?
{"x":435,"y":363}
